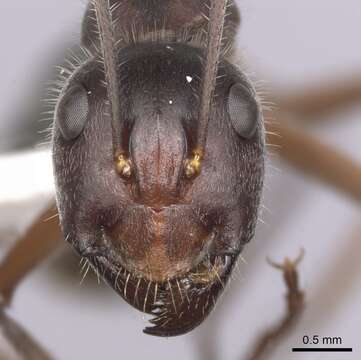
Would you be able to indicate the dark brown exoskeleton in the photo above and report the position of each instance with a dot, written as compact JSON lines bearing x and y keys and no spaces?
{"x":159,"y":155}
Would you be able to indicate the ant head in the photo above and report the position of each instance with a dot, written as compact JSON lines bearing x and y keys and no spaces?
{"x":165,"y":238}
{"x":159,"y":172}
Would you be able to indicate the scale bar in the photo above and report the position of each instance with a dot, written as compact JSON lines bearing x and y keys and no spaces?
{"x":322,"y":349}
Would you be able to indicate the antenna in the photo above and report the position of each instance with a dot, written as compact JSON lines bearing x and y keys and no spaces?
{"x":108,"y":48}
{"x":214,"y":43}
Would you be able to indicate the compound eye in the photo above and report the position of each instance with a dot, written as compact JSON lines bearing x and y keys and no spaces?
{"x":243,"y":110}
{"x":72,"y":111}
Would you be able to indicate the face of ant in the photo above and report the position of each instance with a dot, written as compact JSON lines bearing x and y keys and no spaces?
{"x":165,"y":241}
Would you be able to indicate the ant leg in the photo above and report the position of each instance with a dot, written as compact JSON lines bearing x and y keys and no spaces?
{"x":41,"y":239}
{"x":268,"y":341}
{"x":18,"y":341}
{"x":315,"y":158}
{"x":321,"y":99}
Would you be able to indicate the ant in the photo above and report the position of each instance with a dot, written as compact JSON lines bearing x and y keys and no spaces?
{"x":158,"y":152}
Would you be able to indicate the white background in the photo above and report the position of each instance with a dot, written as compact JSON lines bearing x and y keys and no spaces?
{"x":286,"y":43}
